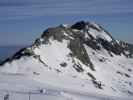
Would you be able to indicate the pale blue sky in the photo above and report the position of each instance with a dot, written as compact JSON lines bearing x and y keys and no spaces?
{"x":21,"y":21}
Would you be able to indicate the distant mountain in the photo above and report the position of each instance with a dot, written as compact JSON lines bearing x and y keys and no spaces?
{"x":84,"y":51}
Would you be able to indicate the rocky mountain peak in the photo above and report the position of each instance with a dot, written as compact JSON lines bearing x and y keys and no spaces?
{"x":89,"y":33}
{"x":82,"y":25}
{"x":84,"y":50}
{"x":84,"y":29}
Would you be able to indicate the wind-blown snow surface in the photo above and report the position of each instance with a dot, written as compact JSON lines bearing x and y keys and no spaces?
{"x":80,"y":60}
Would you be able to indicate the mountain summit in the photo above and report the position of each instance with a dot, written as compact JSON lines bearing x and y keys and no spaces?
{"x":83,"y":52}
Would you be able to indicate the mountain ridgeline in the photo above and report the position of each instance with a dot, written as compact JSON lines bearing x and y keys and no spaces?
{"x":78,"y":34}
{"x":83,"y":50}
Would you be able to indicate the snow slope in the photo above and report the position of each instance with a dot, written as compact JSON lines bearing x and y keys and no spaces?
{"x":80,"y":59}
{"x":20,"y":88}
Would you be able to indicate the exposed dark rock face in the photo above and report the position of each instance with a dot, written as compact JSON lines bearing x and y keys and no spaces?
{"x":79,"y":25}
{"x":56,"y":33}
{"x":78,"y":67}
{"x":90,"y":75}
{"x":111,"y":46}
{"x":78,"y":50}
{"x":63,"y":64}
{"x":98,"y":84}
{"x":127,"y":47}
{"x":93,"y":44}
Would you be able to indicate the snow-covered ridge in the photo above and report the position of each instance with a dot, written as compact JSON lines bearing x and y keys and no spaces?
{"x":83,"y":52}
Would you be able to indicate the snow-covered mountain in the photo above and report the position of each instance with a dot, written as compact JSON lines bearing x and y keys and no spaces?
{"x":83,"y":57}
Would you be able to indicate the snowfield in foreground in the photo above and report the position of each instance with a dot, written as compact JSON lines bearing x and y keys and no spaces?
{"x":18,"y":87}
{"x":70,"y":62}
